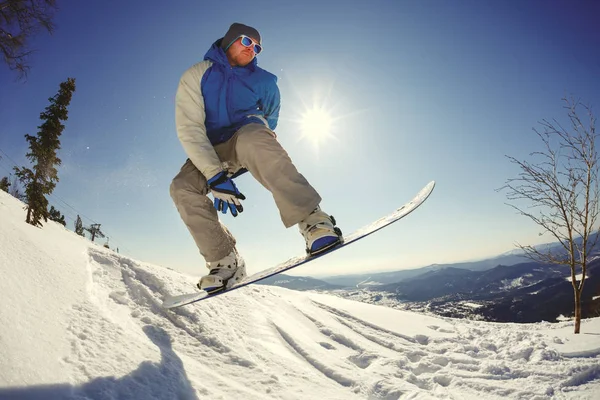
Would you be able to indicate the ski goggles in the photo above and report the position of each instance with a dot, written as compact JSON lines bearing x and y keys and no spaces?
{"x":248,"y":42}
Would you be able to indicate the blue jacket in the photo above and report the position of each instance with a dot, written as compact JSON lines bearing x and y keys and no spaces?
{"x":236,"y":96}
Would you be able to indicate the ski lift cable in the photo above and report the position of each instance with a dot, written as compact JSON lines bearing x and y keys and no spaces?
{"x":4,"y":168}
{"x":62,"y":201}
{"x":7,"y":156}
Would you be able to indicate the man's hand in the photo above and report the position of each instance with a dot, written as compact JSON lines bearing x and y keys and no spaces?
{"x":226,"y":194}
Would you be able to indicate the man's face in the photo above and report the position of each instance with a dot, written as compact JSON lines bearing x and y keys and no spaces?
{"x":240,"y":55}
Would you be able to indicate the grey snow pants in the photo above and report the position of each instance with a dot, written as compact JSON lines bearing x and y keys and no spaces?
{"x":255,"y":148}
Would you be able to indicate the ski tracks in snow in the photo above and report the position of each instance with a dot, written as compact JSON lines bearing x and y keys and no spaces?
{"x":124,"y":304}
{"x":128,"y":297}
{"x":479,"y":359}
{"x":258,"y":342}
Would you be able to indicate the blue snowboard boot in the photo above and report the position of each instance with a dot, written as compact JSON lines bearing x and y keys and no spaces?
{"x":320,"y":232}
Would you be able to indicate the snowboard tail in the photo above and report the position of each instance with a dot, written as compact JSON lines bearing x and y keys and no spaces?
{"x":188,"y":298}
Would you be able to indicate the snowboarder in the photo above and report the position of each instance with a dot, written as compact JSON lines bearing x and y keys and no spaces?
{"x":226,"y":113}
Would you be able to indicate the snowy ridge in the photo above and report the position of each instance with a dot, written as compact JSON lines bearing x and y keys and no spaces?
{"x":82,"y":322}
{"x":514,"y":283}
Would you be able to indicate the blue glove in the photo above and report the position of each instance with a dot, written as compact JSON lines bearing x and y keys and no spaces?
{"x":226,"y":194}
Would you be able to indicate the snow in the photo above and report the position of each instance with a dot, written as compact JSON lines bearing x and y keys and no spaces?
{"x":577,"y":277}
{"x":508,"y":284}
{"x":369,"y":282}
{"x":282,"y":281}
{"x":472,"y":305}
{"x":79,"y":321}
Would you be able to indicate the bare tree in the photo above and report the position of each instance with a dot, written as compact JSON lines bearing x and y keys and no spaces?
{"x":16,"y":191}
{"x":19,"y":21}
{"x":562,"y":188}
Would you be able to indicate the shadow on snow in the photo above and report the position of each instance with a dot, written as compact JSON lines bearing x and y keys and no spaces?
{"x":164,"y":380}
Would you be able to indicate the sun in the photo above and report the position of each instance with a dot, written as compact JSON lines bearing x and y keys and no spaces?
{"x":316,"y":124}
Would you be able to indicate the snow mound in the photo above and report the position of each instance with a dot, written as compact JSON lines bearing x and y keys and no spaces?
{"x":81,"y":322}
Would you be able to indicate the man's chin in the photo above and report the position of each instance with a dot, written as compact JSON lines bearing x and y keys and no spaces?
{"x":245,"y":60}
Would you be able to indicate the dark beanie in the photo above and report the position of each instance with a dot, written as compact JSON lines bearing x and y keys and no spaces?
{"x":234,"y":32}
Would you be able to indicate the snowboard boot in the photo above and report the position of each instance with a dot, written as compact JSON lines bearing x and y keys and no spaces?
{"x":224,"y":273}
{"x":320,"y":232}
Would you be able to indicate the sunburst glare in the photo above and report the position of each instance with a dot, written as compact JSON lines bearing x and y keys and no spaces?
{"x":316,"y":118}
{"x":316,"y":125}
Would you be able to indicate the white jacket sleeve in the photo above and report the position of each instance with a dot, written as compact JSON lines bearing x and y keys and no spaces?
{"x":189,"y":119}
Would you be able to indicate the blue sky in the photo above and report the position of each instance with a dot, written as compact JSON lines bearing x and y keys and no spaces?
{"x":419,"y":91}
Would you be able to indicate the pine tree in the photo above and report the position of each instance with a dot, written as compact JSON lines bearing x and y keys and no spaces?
{"x":94,"y":230}
{"x":4,"y":184}
{"x":79,"y":227}
{"x":55,"y":215}
{"x":42,"y":179}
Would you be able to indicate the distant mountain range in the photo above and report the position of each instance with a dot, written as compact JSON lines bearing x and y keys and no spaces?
{"x":509,"y":258}
{"x":507,"y":288}
{"x":382,"y":278}
{"x":528,"y":292}
{"x":298,"y":283}
{"x":450,"y":280}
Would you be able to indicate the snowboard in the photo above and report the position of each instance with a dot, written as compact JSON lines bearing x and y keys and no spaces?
{"x":188,"y":298}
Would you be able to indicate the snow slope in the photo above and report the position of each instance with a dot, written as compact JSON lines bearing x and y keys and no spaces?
{"x":81,"y":322}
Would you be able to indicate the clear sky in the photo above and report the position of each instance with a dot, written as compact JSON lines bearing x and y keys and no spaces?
{"x":417,"y":90}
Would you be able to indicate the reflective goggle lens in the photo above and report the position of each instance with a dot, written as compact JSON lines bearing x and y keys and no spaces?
{"x":246,"y":41}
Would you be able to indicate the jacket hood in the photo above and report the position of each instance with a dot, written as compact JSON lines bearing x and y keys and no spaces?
{"x":217,"y":55}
